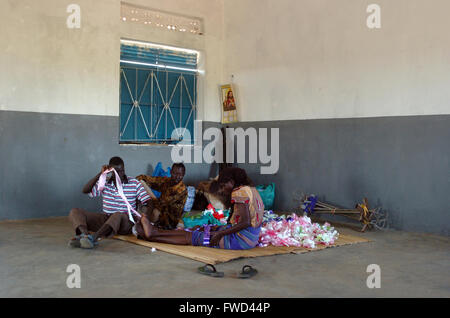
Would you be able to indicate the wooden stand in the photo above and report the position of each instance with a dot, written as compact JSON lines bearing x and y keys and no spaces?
{"x":369,"y":218}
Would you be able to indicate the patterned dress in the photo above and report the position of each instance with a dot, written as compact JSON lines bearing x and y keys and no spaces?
{"x":170,"y":203}
{"x":246,"y":238}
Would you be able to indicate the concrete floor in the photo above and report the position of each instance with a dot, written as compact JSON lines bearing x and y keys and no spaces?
{"x":34,"y":257}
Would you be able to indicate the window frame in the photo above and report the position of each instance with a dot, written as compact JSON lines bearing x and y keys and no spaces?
{"x":153,"y":135}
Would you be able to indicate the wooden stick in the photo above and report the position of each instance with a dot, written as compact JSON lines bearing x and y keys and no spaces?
{"x":327,"y":205}
{"x":341,"y":211}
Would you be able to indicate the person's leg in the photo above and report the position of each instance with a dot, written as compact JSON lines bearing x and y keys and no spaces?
{"x":152,"y":212}
{"x":154,"y":215}
{"x":104,"y":231}
{"x":84,"y":221}
{"x":153,"y":234}
{"x":126,"y":226}
{"x":117,"y":223}
{"x":140,"y":231}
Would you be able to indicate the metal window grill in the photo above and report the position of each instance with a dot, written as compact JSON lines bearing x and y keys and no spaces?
{"x":157,"y":104}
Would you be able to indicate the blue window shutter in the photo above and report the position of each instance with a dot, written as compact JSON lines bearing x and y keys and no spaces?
{"x":144,"y":91}
{"x":158,"y":56}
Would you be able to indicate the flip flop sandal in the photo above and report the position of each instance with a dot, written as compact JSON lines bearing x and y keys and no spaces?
{"x":87,"y":241}
{"x":210,"y":270}
{"x":75,"y":241}
{"x":247,"y":272}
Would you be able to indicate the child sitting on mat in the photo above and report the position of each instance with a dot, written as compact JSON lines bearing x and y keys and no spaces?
{"x":242,"y":230}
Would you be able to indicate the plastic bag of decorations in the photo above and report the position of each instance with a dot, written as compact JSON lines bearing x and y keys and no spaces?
{"x":294,"y":230}
{"x":209,"y":216}
{"x":216,"y":217}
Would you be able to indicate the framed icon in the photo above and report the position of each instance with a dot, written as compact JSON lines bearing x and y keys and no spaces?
{"x":229,"y":111}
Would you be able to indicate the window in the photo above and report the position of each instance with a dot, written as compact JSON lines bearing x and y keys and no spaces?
{"x":158,"y":93}
{"x":162,"y":20}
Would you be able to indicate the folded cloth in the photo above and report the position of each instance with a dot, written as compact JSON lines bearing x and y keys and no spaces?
{"x":190,"y":199}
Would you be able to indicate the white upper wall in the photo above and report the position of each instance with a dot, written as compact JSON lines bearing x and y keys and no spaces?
{"x":46,"y":67}
{"x":291,"y":59}
{"x":304,"y":59}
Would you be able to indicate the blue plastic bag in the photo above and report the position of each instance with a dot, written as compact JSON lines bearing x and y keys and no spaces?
{"x":156,"y":193}
{"x":159,"y":171}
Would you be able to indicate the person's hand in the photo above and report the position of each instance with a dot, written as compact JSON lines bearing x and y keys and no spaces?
{"x":137,"y":218}
{"x":105,"y":167}
{"x":215,"y":239}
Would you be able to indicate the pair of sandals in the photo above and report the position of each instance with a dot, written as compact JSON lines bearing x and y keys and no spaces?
{"x":83,"y":241}
{"x":209,"y":270}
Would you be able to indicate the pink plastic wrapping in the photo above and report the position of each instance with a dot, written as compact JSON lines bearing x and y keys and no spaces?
{"x":296,"y":231}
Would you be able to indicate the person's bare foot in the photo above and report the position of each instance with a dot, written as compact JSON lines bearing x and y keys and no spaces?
{"x":140,"y":230}
{"x":149,"y":228}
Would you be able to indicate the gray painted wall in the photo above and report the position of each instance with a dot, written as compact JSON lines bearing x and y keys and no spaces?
{"x":47,"y":158}
{"x":399,"y":163}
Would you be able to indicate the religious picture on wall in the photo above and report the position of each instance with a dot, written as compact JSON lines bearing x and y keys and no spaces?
{"x":229,"y":112}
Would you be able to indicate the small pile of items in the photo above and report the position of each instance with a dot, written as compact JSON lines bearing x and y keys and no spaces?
{"x":210,"y":216}
{"x":218,"y":216}
{"x":295,"y":230}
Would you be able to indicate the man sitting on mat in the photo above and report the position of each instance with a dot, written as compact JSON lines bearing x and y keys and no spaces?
{"x":116,"y":217}
{"x":167,"y":210}
{"x":244,"y":226}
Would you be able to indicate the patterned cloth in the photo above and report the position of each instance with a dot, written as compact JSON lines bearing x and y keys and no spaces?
{"x":248,"y":195}
{"x":112,"y":202}
{"x":242,"y":240}
{"x":170,"y":203}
